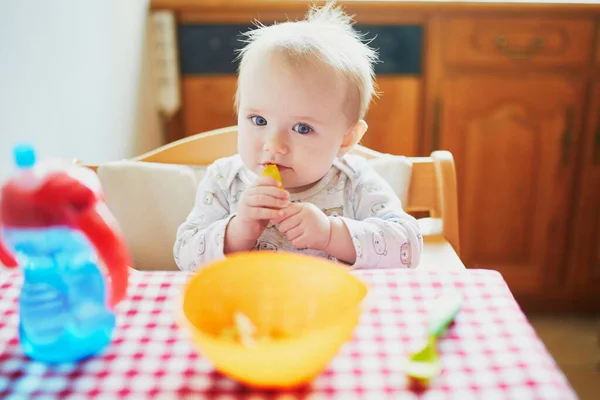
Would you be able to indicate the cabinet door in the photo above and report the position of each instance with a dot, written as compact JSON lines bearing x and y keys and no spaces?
{"x":514,"y":141}
{"x":394,"y":117}
{"x":584,"y":265}
{"x":208,"y":67}
{"x":208,"y":103}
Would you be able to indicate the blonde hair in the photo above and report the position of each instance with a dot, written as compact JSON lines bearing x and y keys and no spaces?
{"x":325,"y":36}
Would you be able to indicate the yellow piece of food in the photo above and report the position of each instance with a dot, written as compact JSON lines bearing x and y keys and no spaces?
{"x":272,"y":171}
{"x":243,"y":331}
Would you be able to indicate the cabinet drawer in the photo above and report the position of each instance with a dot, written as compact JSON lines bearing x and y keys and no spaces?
{"x":510,"y":42}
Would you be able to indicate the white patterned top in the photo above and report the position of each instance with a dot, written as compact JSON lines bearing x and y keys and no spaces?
{"x":384,"y":235}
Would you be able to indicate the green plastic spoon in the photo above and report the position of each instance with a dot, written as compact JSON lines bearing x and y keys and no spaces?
{"x":424,"y":365}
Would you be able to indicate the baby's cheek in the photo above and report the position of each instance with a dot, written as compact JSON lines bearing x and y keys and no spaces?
{"x":248,"y":156}
{"x":314,"y":166}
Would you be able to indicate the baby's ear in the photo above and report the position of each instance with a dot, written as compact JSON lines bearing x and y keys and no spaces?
{"x":353,"y":136}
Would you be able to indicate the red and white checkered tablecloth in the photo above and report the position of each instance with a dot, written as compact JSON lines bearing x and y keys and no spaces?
{"x":491,"y":352}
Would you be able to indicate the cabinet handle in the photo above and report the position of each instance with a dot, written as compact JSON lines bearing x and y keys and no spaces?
{"x":535,"y":46}
{"x":567,"y":138}
{"x":435,"y":134}
{"x":597,"y":142}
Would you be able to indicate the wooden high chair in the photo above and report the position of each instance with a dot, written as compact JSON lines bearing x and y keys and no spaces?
{"x":432,"y":187}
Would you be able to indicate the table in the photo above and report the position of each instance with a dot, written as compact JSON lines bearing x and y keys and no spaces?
{"x":491,"y":352}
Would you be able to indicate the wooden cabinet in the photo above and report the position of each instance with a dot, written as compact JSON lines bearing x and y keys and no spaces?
{"x":207,"y":54}
{"x":513,"y":139}
{"x":584,"y":271}
{"x":508,"y":88}
{"x":508,"y":98}
{"x":393,"y":118}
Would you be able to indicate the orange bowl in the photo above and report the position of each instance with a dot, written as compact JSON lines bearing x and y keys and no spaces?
{"x":307,"y":307}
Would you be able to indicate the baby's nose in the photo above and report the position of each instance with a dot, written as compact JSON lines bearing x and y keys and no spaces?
{"x":276,"y":143}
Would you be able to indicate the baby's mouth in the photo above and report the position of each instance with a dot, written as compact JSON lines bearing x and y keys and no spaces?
{"x":279,"y":166}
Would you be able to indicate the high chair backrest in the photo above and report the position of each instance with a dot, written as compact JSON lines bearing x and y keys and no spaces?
{"x":432,"y":185}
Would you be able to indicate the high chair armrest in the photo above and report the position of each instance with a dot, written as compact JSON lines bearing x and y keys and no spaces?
{"x":439,"y":255}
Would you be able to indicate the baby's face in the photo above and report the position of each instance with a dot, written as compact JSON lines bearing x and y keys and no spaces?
{"x":295,"y":118}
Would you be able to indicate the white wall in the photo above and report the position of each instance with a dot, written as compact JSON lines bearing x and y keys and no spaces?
{"x":75,"y":80}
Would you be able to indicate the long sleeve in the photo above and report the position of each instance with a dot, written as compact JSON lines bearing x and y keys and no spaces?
{"x":384,"y":235}
{"x":200,"y":239}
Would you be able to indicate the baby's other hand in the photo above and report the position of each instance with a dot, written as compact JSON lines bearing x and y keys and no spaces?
{"x":305,"y":225}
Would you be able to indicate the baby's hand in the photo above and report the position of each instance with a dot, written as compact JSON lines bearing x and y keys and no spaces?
{"x":259,"y":204}
{"x":305,"y":225}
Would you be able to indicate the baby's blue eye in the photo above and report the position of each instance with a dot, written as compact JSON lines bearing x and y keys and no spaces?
{"x":258,"y":120}
{"x":303,"y":129}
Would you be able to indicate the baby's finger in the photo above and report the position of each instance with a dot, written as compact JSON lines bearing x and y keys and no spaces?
{"x":289,"y":223}
{"x":288,"y":212}
{"x":268,"y":190}
{"x":300,"y":242}
{"x":294,"y":233}
{"x":264,"y":200}
{"x":261,"y":213}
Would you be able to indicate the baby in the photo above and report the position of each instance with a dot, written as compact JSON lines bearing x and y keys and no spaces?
{"x":303,"y":90}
